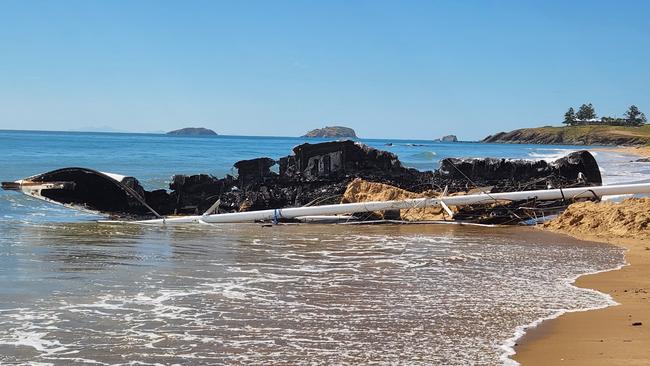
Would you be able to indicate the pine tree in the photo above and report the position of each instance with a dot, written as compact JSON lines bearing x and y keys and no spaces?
{"x":634,"y":116}
{"x":570,"y":117}
{"x":586,"y":112}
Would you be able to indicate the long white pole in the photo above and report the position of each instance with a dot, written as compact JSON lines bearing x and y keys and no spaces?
{"x":473,"y":199}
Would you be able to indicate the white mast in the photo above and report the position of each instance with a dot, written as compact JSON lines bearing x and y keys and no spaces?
{"x":474,"y":199}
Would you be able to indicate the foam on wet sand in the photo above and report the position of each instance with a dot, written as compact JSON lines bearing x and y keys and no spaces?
{"x":616,"y":335}
{"x":247,"y":294}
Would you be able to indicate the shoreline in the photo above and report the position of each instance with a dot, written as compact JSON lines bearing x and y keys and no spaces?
{"x":536,"y":329}
{"x":602,"y":336}
{"x":640,"y":151}
{"x":612,"y":335}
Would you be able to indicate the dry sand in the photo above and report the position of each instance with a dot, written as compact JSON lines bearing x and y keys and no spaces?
{"x":618,"y":335}
{"x":360,"y":190}
{"x":641,"y":151}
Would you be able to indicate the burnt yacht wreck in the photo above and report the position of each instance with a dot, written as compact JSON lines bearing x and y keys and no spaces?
{"x":315,"y":181}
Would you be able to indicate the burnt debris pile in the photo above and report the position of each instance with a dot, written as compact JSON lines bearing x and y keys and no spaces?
{"x":508,"y":175}
{"x":317,"y":174}
{"x":313,"y":174}
{"x":577,"y":169}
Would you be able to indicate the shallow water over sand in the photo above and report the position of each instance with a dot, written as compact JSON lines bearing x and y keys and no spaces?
{"x":309,"y":294}
{"x":72,"y":291}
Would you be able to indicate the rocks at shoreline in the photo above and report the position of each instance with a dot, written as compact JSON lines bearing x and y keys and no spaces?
{"x":192,"y":131}
{"x":332,"y":132}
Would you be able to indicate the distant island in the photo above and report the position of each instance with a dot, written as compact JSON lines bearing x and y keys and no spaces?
{"x":448,"y":138}
{"x":193,"y":131}
{"x":332,"y":131}
{"x":584,"y":128}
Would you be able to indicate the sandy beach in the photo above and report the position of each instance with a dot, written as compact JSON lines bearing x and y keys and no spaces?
{"x":618,"y":335}
{"x":643,"y":151}
{"x":606,"y":336}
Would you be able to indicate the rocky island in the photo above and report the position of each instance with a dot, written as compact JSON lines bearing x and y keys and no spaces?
{"x":332,"y":131}
{"x":193,"y":131}
{"x":448,"y":138}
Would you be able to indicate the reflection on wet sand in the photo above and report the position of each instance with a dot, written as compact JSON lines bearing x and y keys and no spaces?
{"x":417,"y":294}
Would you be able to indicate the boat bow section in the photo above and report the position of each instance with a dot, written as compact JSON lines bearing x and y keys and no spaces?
{"x":87,"y":190}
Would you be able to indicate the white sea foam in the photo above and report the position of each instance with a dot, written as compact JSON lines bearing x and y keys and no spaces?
{"x":548,"y":154}
{"x":37,"y":341}
{"x":386,"y":294}
{"x":615,"y":168}
{"x":508,"y":345}
{"x":619,"y":168}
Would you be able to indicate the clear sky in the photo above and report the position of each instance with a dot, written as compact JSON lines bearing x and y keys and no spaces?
{"x":393,"y":69}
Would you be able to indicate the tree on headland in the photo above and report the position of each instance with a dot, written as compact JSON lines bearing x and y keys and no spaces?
{"x":634,"y":117}
{"x":586,"y":112}
{"x":570,"y":117}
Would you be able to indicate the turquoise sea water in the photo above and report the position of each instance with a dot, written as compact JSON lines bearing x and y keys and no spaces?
{"x":154,"y":158}
{"x":73,"y":291}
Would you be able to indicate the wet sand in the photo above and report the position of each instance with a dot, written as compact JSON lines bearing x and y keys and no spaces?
{"x":600,"y":337}
{"x":643,"y":151}
{"x":82,"y":293}
{"x":618,"y":335}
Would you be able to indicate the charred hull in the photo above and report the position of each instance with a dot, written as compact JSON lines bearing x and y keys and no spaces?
{"x":87,"y":190}
{"x":315,"y":174}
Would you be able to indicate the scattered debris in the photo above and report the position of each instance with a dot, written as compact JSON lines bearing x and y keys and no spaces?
{"x":318,"y":174}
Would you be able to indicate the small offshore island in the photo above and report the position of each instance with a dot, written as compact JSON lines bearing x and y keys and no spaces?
{"x":193,"y":131}
{"x":332,"y":131}
{"x":447,"y":138}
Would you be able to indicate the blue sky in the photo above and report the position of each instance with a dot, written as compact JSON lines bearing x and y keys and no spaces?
{"x":393,"y":69}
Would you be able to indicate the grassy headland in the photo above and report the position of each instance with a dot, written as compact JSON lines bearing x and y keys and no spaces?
{"x":576,"y":135}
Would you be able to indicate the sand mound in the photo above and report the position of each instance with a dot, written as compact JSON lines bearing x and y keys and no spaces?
{"x":630,"y":218}
{"x":360,"y":190}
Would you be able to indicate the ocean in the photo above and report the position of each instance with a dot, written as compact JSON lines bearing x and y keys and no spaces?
{"x":74,"y":291}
